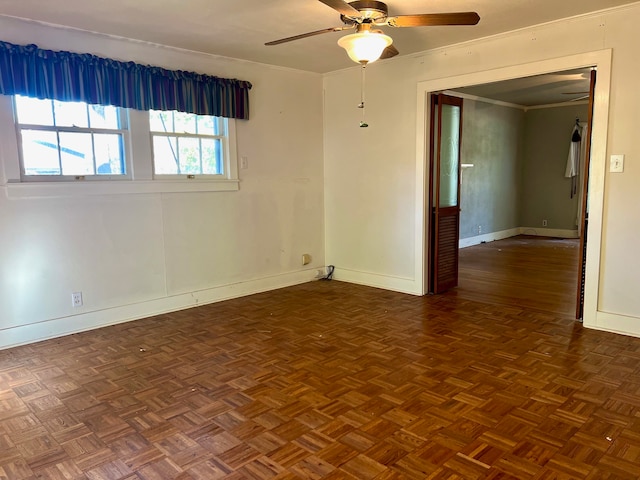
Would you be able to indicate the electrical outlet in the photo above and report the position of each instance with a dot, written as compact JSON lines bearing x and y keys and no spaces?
{"x":244,"y":162}
{"x":76,"y":299}
{"x":544,"y":223}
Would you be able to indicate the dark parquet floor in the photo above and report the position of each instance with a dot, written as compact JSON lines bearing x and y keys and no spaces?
{"x":326,"y":380}
{"x":538,"y":273}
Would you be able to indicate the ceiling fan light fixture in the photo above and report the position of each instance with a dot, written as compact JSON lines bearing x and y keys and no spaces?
{"x":366,"y":46}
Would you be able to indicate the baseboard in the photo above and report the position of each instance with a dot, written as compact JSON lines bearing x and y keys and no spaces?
{"x":549,"y":232}
{"x":57,"y":327}
{"x":616,"y":323}
{"x":388,"y":282}
{"x":488,"y":237}
{"x":512,"y":232}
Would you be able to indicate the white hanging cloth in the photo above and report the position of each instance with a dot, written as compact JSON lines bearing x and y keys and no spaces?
{"x":573,"y":161}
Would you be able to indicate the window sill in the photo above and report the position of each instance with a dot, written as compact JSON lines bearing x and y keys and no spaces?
{"x":123,"y":187}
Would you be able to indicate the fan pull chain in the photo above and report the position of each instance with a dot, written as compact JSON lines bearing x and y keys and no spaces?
{"x":363,"y":123}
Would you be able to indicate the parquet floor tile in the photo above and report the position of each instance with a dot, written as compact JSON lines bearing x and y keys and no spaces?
{"x":329,"y":380}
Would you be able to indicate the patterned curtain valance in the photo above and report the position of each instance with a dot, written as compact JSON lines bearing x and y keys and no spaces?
{"x":67,"y":76}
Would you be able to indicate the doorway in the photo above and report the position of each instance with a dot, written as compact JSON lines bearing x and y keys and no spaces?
{"x":516,"y":135}
{"x":600,"y":59}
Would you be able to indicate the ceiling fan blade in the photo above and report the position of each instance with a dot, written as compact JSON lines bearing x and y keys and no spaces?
{"x":584,"y":97}
{"x":342,"y":7}
{"x":389,"y":52}
{"x":309,"y":34}
{"x":434,"y":19}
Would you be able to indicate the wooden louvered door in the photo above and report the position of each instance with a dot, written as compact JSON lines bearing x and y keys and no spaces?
{"x":584,"y":206}
{"x":444,"y":191}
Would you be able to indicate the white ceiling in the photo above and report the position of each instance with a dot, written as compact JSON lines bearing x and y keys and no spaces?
{"x":240,"y":28}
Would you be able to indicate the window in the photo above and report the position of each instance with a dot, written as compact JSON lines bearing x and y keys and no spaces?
{"x":188,"y":144}
{"x":59,"y":140}
{"x":48,"y":147}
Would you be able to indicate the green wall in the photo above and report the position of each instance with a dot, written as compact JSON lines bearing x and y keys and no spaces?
{"x":519,"y":161}
{"x":492,"y":138}
{"x":546,"y":192}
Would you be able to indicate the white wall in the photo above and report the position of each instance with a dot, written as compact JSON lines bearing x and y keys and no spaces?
{"x":136,"y":255}
{"x":371,"y":175}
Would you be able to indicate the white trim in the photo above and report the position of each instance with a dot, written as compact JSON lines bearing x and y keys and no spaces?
{"x":9,"y":154}
{"x":57,"y":327}
{"x":617,"y":323}
{"x":231,"y":147}
{"x":556,"y":105}
{"x":597,"y":169}
{"x":421,"y":220}
{"x":388,"y":282}
{"x":549,"y":232}
{"x":125,"y":187}
{"x":488,"y":237}
{"x":491,"y":101}
{"x":600,"y":59}
{"x":524,"y":108}
{"x":512,"y":232}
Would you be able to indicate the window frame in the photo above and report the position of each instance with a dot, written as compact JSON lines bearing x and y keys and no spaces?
{"x":123,"y":132}
{"x":138,"y":154}
{"x":229,"y":159}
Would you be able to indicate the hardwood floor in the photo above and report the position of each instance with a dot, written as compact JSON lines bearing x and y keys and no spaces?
{"x":538,"y":273}
{"x":326,"y":380}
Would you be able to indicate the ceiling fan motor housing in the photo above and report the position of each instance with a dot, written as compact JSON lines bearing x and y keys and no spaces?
{"x":370,"y":10}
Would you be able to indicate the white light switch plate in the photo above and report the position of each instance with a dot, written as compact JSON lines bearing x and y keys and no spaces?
{"x":617,"y":164}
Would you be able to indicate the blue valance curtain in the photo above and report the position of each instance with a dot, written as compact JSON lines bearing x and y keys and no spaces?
{"x":31,"y":71}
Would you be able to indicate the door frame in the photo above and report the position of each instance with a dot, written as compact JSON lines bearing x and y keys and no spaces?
{"x":601,"y":59}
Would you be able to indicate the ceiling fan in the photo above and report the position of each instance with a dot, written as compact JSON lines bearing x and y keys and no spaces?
{"x":369,"y":44}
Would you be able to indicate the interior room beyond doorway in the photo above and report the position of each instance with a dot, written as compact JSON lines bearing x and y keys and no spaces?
{"x":515,"y":140}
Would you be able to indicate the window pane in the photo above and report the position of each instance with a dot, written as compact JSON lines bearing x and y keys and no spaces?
{"x":212,"y":157}
{"x":207,"y":125}
{"x":33,"y":111}
{"x":76,"y":153}
{"x":184,"y":122}
{"x":161,"y":121}
{"x":165,"y":155}
{"x":70,"y":114}
{"x":189,"y":155}
{"x":108,"y":149}
{"x":449,"y":152}
{"x":40,"y":153}
{"x":103,"y":116}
